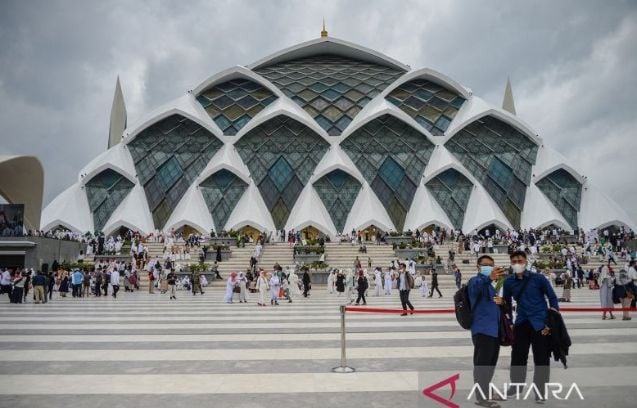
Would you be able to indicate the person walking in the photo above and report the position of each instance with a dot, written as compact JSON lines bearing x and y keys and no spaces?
{"x":388,"y":281}
{"x":86,"y":284}
{"x":242,"y":282}
{"x":626,"y":292}
{"x":50,"y":284}
{"x":457,"y":275}
{"x":76,"y":280}
{"x":378,"y":282}
{"x":196,"y":282}
{"x":330,"y":283}
{"x":340,"y":282}
{"x":262,"y":287}
{"x":19,"y":280}
{"x":115,"y":282}
{"x":361,"y":286}
{"x":434,"y":283}
{"x":530,"y":291}
{"x":485,"y":326}
{"x":171,"y":278}
{"x":606,"y":292}
{"x":275,"y":285}
{"x":39,"y":284}
{"x":405,"y":284}
{"x":230,"y":284}
{"x":64,"y":284}
{"x":307,"y":283}
{"x":568,"y":285}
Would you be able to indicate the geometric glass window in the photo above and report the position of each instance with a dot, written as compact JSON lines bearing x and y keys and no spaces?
{"x":168,"y":157}
{"x":564,"y":192}
{"x":452,"y":191}
{"x":430,"y":104}
{"x":338,"y":191}
{"x":281,"y":155}
{"x":233,"y":103}
{"x":221,"y":192}
{"x":392,"y":157}
{"x":332,"y":89}
{"x":500,"y":157}
{"x":105,"y":192}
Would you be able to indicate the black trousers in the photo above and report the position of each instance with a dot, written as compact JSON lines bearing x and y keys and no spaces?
{"x":434,"y":287}
{"x":361,"y":295}
{"x":16,"y":295}
{"x":404,"y":299}
{"x":525,"y":336}
{"x":486,"y":350}
{"x":115,"y":290}
{"x":77,"y":290}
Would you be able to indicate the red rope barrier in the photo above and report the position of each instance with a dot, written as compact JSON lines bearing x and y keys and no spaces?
{"x":358,"y":309}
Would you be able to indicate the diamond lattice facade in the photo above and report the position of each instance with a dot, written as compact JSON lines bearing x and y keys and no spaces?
{"x":335,"y":136}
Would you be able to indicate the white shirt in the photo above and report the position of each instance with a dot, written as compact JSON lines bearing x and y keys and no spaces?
{"x":6,"y":278}
{"x":115,"y":278}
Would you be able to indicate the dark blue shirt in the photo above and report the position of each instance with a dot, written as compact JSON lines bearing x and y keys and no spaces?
{"x":486,"y":314}
{"x":532,"y":306}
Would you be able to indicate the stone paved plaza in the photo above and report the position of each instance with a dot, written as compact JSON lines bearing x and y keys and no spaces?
{"x":143,"y":350}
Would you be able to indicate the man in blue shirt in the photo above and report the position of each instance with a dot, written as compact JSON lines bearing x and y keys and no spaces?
{"x":530,"y":291}
{"x":76,"y":280}
{"x":485,"y":326}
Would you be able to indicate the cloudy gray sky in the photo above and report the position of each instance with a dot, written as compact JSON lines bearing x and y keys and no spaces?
{"x":573,"y":65}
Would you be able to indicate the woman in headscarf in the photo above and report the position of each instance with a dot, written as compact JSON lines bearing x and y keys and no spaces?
{"x":293,"y":280}
{"x":230,"y":283}
{"x":606,"y":291}
{"x":275,"y":285}
{"x":262,"y":287}
{"x":340,"y":282}
{"x":330,"y":283}
{"x":378,"y":281}
{"x":242,"y":281}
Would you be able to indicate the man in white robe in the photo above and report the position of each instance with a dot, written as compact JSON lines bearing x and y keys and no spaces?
{"x":275,"y":285}
{"x":262,"y":287}
{"x":388,"y":282}
{"x":330,"y":283}
{"x":230,"y":283}
{"x":378,"y":282}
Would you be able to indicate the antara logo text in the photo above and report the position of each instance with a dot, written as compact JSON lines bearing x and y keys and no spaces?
{"x":551,"y":391}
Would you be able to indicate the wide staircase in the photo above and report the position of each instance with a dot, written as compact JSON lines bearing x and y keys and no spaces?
{"x":342,"y":256}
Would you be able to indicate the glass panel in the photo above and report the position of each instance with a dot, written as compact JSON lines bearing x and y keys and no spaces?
{"x":236,"y":102}
{"x":281,"y":155}
{"x":105,"y":191}
{"x":181,"y":148}
{"x":392,"y":157}
{"x":424,"y":101}
{"x":221,"y":192}
{"x":501,"y":159}
{"x":564,"y":192}
{"x":334,"y":78}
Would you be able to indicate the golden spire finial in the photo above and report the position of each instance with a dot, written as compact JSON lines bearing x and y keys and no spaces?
{"x":324,"y":31}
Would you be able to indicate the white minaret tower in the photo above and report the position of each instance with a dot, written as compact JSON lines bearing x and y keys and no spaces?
{"x":118,"y":117}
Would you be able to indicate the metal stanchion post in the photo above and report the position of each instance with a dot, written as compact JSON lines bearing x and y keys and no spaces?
{"x":343,"y":368}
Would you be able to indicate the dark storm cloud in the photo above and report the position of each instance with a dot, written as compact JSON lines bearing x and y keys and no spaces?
{"x":572,"y":65}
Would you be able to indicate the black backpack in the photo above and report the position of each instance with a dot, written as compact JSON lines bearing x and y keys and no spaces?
{"x":464,"y":312}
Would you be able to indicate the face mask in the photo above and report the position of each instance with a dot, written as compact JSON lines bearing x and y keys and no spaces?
{"x":518,"y":268}
{"x":486,"y":270}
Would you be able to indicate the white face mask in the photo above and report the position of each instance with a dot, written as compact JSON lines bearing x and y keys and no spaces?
{"x":518,"y":268}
